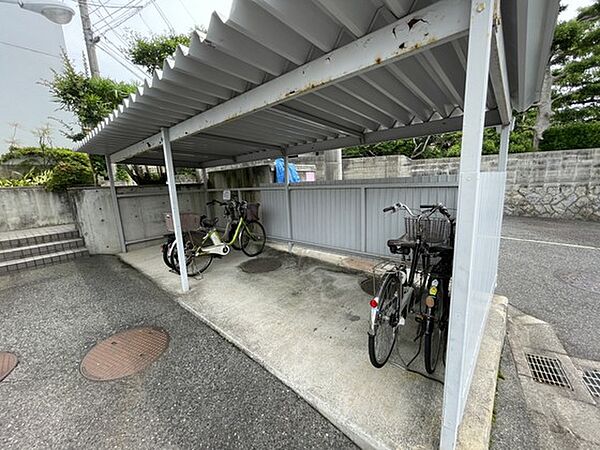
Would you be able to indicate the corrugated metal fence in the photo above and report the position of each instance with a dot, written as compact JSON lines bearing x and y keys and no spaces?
{"x":345,"y":215}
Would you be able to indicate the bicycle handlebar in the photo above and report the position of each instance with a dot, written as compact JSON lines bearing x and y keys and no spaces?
{"x":432,"y":209}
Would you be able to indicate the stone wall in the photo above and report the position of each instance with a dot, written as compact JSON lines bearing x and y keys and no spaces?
{"x":558,"y":184}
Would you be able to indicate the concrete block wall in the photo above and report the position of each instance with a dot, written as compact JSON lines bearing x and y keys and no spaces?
{"x":558,"y":184}
{"x":33,"y":207}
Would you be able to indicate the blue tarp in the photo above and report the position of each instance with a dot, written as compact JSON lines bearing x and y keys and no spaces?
{"x":280,"y":172}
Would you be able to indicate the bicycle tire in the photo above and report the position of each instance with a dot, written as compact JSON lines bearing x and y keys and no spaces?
{"x":245,"y":239}
{"x":434,"y":339}
{"x":385,"y":295}
{"x":165,"y":252}
{"x":191,"y":262}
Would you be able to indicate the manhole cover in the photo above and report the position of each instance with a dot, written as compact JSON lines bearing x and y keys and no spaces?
{"x":8,"y":361}
{"x":124,"y":353}
{"x":260,"y":265}
{"x":587,"y":280}
{"x":591,"y":378}
{"x":547,"y":370}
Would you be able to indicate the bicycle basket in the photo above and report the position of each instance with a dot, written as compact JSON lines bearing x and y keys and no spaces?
{"x":432,"y":229}
{"x":251,"y":211}
{"x":189,"y":221}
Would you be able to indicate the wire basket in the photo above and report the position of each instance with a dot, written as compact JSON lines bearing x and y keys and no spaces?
{"x":189,"y":221}
{"x":432,"y":229}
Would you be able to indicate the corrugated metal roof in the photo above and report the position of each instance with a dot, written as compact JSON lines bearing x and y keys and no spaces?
{"x":265,"y":39}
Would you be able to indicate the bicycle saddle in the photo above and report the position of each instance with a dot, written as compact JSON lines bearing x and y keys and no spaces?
{"x":208,"y":223}
{"x":396,"y":245}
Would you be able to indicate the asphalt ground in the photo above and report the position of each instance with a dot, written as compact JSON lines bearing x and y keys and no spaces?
{"x":202,"y":393}
{"x":555,"y":280}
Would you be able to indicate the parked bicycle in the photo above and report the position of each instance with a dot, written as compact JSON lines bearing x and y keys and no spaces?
{"x":243,"y":230}
{"x":421,"y":290}
{"x":231,"y":212}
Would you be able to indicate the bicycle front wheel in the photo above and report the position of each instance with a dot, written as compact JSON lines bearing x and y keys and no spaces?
{"x":435,"y":332}
{"x":195,"y":263}
{"x":383,"y":336}
{"x":253,"y":238}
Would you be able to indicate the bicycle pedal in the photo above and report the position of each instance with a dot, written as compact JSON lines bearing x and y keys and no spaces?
{"x":419,"y":318}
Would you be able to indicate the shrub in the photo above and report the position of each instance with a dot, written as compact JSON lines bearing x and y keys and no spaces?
{"x":61,"y":168}
{"x":69,"y":174}
{"x":572,"y":136}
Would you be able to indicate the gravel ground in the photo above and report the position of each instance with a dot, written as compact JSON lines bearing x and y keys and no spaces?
{"x":202,"y":393}
{"x":546,"y":281}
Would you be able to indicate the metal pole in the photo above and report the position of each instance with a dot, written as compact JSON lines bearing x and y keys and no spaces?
{"x":88,"y":36}
{"x":205,"y":186}
{"x":457,"y":369}
{"x":288,"y":202}
{"x":175,"y":208}
{"x":504,"y":142}
{"x":115,"y":202}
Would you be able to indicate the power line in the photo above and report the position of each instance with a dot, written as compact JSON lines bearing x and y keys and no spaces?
{"x":187,"y":11}
{"x":29,"y":49}
{"x":164,"y":17}
{"x":109,"y":53}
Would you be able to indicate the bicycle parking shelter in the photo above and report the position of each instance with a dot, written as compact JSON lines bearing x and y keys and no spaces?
{"x":282,"y":78}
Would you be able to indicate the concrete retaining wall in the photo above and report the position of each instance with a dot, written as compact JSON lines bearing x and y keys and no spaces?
{"x":32,"y":207}
{"x":559,"y":184}
{"x":142,"y":212}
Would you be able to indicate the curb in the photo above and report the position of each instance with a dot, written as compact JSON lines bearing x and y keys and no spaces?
{"x":475,"y":429}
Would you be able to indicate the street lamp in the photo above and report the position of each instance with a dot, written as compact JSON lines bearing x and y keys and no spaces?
{"x":53,"y":10}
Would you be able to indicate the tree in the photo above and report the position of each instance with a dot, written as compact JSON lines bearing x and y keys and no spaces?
{"x":575,"y":62}
{"x":152,"y":52}
{"x":90,"y":99}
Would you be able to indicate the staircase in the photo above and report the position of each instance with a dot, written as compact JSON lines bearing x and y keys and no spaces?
{"x":36,"y":247}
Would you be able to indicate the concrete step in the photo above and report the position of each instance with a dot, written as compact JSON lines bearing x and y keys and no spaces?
{"x":40,"y":249}
{"x":36,"y":236}
{"x":41,"y":260}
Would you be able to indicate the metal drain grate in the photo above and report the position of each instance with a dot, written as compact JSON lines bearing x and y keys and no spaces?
{"x":547,"y":370}
{"x":591,"y":378}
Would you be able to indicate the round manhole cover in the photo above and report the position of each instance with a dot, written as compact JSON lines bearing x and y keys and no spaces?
{"x":124,"y":353}
{"x":261,"y":265}
{"x":8,"y":361}
{"x":587,"y":280}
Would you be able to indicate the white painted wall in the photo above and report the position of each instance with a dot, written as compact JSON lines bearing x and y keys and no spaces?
{"x":30,"y":47}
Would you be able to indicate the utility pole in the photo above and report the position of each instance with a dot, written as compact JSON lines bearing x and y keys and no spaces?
{"x":90,"y":40}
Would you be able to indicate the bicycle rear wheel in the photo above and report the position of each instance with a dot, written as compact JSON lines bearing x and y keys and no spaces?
{"x":385,"y":330}
{"x":195,"y":263}
{"x":435,"y":336}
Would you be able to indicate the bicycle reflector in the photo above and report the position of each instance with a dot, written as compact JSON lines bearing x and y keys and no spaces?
{"x":374,"y":302}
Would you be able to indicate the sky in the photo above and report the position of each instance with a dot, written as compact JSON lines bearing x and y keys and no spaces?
{"x":179,"y":15}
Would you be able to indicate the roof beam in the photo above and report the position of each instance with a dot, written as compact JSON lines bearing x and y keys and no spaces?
{"x":499,"y":72}
{"x":432,"y":26}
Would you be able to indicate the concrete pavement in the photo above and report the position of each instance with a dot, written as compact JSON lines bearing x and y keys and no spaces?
{"x":202,"y":393}
{"x":549,"y":271}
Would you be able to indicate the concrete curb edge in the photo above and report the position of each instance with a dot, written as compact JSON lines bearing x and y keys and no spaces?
{"x":475,"y":429}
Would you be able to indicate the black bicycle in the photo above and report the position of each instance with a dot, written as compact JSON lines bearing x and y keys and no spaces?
{"x":421,"y":290}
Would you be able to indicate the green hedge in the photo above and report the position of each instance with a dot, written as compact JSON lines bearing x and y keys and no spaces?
{"x":572,"y":136}
{"x":64,"y":168}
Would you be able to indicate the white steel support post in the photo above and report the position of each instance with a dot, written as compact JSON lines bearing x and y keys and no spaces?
{"x":175,"y":208}
{"x":503,"y":152}
{"x":288,"y":201}
{"x":458,"y":371}
{"x":115,"y":202}
{"x":205,"y":189}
